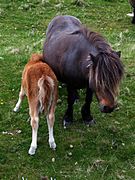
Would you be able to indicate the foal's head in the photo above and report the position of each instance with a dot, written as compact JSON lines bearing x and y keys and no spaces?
{"x":105,"y":76}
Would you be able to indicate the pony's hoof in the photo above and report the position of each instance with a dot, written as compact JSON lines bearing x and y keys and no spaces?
{"x":67,"y":120}
{"x":66,"y":123}
{"x":32,"y":150}
{"x":90,"y":122}
{"x":52,"y":145}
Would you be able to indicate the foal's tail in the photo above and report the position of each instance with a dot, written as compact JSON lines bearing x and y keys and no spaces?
{"x":46,"y":91}
{"x":36,"y":57}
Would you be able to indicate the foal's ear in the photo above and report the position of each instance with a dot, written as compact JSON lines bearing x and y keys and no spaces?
{"x":118,"y":53}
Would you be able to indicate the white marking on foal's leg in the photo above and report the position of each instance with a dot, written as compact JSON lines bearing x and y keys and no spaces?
{"x":34,"y":124}
{"x":50,"y":123}
{"x":21,"y":96}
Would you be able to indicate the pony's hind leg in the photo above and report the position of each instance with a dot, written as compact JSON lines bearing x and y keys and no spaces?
{"x":34,"y":124}
{"x":86,"y":114}
{"x":50,"y":122}
{"x":21,"y":97}
{"x":72,"y":97}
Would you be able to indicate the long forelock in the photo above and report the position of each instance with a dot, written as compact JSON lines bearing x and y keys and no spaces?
{"x":108,"y":73}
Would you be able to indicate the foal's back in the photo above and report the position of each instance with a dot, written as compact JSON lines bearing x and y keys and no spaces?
{"x":33,"y":71}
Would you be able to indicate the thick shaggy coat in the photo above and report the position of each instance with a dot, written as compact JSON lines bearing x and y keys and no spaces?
{"x":39,"y":83}
{"x":82,"y":58}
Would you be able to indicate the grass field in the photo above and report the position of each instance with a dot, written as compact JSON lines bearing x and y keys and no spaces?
{"x":105,"y":151}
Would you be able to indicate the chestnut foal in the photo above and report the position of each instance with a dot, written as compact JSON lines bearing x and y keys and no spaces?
{"x":39,"y":83}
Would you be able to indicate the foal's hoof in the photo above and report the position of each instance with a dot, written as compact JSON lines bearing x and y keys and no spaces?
{"x":15,"y":109}
{"x":52,"y":145}
{"x":67,"y":123}
{"x":32,"y":150}
{"x":90,"y":122}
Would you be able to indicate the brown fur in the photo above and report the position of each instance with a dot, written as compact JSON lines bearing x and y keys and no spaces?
{"x":33,"y":71}
{"x":39,"y":83}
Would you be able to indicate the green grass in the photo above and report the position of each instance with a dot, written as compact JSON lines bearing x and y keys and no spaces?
{"x":104,"y":151}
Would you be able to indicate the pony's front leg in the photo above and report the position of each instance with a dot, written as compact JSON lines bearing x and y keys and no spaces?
{"x":86,"y":114}
{"x":72,"y":96}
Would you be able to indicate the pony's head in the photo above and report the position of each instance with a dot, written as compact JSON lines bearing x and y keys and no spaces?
{"x":105,"y":75}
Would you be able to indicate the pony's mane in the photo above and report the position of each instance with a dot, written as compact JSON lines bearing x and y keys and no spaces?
{"x":106,"y":69}
{"x":96,"y":40}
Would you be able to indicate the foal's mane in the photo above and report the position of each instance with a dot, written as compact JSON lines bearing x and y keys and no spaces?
{"x":106,"y":70}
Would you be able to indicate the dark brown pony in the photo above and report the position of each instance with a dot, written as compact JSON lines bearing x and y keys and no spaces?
{"x":83,"y":59}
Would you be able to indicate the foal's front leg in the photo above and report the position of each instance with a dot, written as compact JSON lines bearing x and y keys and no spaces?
{"x":21,"y":97}
{"x":86,"y":114}
{"x":72,"y":96}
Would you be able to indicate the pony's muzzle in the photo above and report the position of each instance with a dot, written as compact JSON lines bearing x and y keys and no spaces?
{"x":106,"y":109}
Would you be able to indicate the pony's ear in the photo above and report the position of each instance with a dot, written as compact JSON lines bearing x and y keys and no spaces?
{"x":93,"y":58}
{"x":118,"y":53}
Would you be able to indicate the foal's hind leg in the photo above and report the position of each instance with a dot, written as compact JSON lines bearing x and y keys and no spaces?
{"x":50,"y":122}
{"x":86,"y":114}
{"x":33,"y":108}
{"x":21,"y":96}
{"x":72,"y":96}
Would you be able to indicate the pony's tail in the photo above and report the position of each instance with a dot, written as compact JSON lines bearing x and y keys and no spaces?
{"x":45,"y":95}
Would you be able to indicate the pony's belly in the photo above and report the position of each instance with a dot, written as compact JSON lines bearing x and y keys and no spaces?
{"x":74,"y":83}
